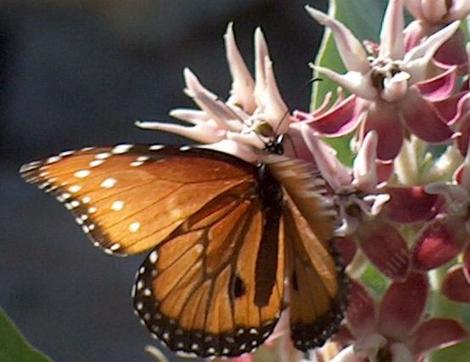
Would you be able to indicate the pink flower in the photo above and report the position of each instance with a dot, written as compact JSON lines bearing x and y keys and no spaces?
{"x":355,"y":190}
{"x":244,"y":123}
{"x":431,"y":16}
{"x":448,"y":235}
{"x":360,"y":196}
{"x":391,"y":91}
{"x":395,"y":328}
{"x":438,"y":11}
{"x":456,"y":112}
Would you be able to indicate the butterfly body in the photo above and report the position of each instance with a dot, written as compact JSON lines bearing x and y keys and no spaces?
{"x":231,"y":244}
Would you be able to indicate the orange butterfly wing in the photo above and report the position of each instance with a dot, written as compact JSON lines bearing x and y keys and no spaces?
{"x":214,"y":283}
{"x":197,"y":290}
{"x":130,"y":198}
{"x":317,"y":284}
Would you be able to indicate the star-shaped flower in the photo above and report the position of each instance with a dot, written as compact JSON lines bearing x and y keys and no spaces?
{"x":244,"y":124}
{"x":395,"y":328}
{"x":391,"y":90}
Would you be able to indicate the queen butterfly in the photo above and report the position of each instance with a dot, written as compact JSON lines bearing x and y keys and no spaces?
{"x":231,"y":244}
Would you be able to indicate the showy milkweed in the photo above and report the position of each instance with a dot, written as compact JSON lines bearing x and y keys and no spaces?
{"x":231,"y":244}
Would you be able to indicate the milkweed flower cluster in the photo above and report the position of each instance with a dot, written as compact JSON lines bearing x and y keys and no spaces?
{"x":404,"y":204}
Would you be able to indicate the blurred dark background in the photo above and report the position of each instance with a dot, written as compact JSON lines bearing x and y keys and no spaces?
{"x":78,"y":73}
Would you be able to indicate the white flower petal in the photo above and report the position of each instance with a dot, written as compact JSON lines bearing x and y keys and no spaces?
{"x":417,"y":59}
{"x":434,"y":10}
{"x":207,"y":101}
{"x":370,"y":345}
{"x":401,"y":353}
{"x":457,"y":197}
{"x":188,"y":115}
{"x":376,"y":203}
{"x":249,"y":139}
{"x":459,"y":10}
{"x":391,"y":37}
{"x":204,"y":132}
{"x":364,"y":168}
{"x":395,"y":88}
{"x":275,"y":110}
{"x":335,"y":174}
{"x":347,"y":355}
{"x":354,"y":82}
{"x":349,"y":47}
{"x":243,"y":83}
{"x":261,"y":54}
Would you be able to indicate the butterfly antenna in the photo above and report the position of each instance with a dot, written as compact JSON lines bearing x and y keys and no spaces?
{"x":288,"y":137}
{"x":311,"y":81}
{"x":280,"y":123}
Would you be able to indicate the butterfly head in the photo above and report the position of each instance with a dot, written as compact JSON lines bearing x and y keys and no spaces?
{"x":273,"y":142}
{"x":275,"y":145}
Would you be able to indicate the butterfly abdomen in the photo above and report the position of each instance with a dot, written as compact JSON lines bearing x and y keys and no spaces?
{"x":267,"y":258}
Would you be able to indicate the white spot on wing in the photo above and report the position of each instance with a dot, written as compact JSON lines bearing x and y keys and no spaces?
{"x":96,"y":163}
{"x":66,"y":196}
{"x":108,"y":183}
{"x":66,"y":153}
{"x":74,"y":204}
{"x":135,"y":226}
{"x":153,"y":257}
{"x":115,"y":246}
{"x":155,"y":147}
{"x":30,"y":166}
{"x":82,"y":173}
{"x":117,"y":205}
{"x":75,"y":188}
{"x":53,"y":159}
{"x":102,"y":156}
{"x":121,"y":149}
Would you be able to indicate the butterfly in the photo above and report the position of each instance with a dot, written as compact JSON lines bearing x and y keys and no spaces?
{"x":231,"y":244}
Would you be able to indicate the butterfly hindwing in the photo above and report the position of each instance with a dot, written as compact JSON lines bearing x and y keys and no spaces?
{"x":317,"y":284}
{"x":200,"y":290}
{"x":316,"y":280}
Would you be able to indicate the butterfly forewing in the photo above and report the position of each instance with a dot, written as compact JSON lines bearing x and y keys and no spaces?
{"x":129,"y":198}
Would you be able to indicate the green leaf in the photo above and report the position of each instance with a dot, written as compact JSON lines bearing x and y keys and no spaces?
{"x":375,"y":280}
{"x":13,"y":346}
{"x":342,"y":147}
{"x":363,"y":18}
{"x":457,"y":353}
